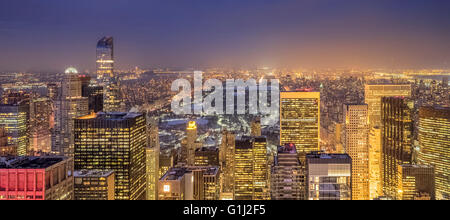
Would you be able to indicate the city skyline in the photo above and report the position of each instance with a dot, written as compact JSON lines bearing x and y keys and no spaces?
{"x":50,"y":36}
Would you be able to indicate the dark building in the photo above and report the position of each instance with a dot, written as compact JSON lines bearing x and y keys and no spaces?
{"x":114,"y":141}
{"x":416,"y":182}
{"x":207,"y":156}
{"x":396,"y":118}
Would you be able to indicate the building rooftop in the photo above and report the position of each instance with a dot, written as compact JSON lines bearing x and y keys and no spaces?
{"x":320,"y":157}
{"x":287,"y":148}
{"x":177,"y":173}
{"x":92,"y":173}
{"x":111,"y":116}
{"x":29,"y":162}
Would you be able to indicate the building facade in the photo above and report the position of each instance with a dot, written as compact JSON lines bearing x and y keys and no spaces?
{"x":357,"y":147}
{"x":329,"y":176}
{"x":434,"y":141}
{"x":300,"y":120}
{"x":114,"y":141}
{"x":94,"y":185}
{"x":396,"y":140}
{"x":36,"y":178}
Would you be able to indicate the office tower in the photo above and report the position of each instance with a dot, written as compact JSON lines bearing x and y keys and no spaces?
{"x":356,"y":146}
{"x":93,"y":185}
{"x":13,"y":97}
{"x":256,"y":127}
{"x":261,"y":178}
{"x":36,"y":178}
{"x":300,"y":120}
{"x":94,"y":93}
{"x":105,"y":73}
{"x":375,"y":187}
{"x":5,"y":148}
{"x":416,"y":182}
{"x":250,"y":169}
{"x":226,"y":160}
{"x":14,"y":118}
{"x":165,"y":163}
{"x":329,"y":176}
{"x":69,"y":105}
{"x":288,"y":177}
{"x":373,"y":95}
{"x":114,"y":141}
{"x":207,"y":156}
{"x":434,"y":141}
{"x":396,"y":115}
{"x":189,"y":144}
{"x":189,"y":183}
{"x":243,"y":169}
{"x":41,"y":122}
{"x":152,"y":158}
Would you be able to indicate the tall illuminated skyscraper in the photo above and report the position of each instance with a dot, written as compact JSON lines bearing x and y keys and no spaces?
{"x":261,"y":178}
{"x":114,"y":141}
{"x":373,"y":95}
{"x":227,"y":161}
{"x":14,"y":118}
{"x":251,"y":181}
{"x":356,"y":146}
{"x":243,"y":169}
{"x":300,"y":120}
{"x":112,"y":98}
{"x":434,"y":141}
{"x":41,"y":116}
{"x":69,"y":105}
{"x":189,"y":144}
{"x":329,"y":176}
{"x":375,"y":184}
{"x":152,"y":161}
{"x":288,"y":178}
{"x":396,"y":114}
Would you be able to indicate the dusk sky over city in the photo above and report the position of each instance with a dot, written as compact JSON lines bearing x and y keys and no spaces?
{"x":51,"y":35}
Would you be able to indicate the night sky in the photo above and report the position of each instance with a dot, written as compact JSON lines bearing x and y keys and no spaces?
{"x":49,"y":35}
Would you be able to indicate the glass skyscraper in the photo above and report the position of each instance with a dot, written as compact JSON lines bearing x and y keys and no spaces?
{"x":434,"y":141}
{"x":105,"y":73}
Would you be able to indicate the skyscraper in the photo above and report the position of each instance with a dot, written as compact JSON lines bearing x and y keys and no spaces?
{"x":375,"y":184}
{"x":261,"y":178}
{"x":329,"y":176}
{"x":396,"y":118}
{"x":288,"y":178}
{"x":69,"y":105}
{"x":356,"y":146}
{"x":373,"y":95}
{"x":152,"y":161}
{"x":189,"y":144}
{"x":416,"y":182}
{"x":434,"y":141}
{"x":227,"y":161}
{"x":41,"y":116}
{"x":14,"y":118}
{"x":300,"y":120}
{"x":105,"y":72}
{"x":243,"y":169}
{"x":114,"y":141}
{"x":251,"y":181}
